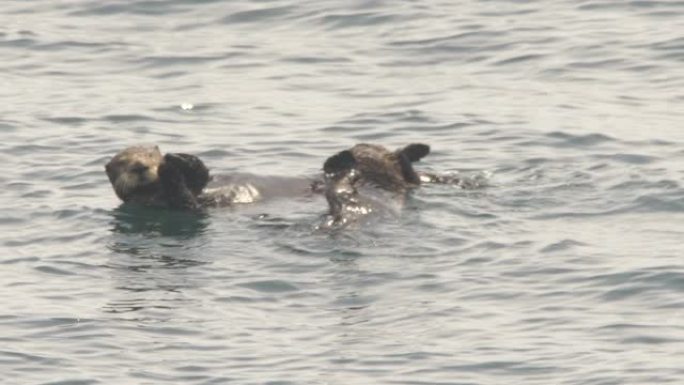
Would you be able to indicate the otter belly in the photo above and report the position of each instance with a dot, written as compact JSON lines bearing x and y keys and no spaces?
{"x":225,"y":190}
{"x":230,"y":194}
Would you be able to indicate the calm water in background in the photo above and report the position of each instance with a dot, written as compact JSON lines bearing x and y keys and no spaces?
{"x":566,"y":268}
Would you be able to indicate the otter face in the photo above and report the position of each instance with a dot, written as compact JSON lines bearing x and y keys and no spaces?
{"x":134,"y":170}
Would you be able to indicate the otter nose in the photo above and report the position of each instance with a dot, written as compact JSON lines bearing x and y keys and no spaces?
{"x":139,"y":169}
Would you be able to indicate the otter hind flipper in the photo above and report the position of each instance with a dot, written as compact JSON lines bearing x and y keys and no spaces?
{"x":416,"y":151}
{"x":195,"y":173}
{"x":407,"y":170}
{"x":409,"y":154}
{"x":342,"y":161}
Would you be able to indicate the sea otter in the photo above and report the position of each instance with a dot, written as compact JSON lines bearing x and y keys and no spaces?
{"x":141,"y":174}
{"x":380,"y":173}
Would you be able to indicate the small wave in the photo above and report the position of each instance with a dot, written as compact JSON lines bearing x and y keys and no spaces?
{"x":270,"y":286}
{"x":128,"y":118}
{"x":258,"y":15}
{"x":148,"y":8}
{"x":564,"y":139}
{"x":182,"y":61}
{"x":477,"y":35}
{"x":635,"y":6}
{"x":638,"y":159}
{"x":359,"y":19}
{"x":566,"y":244}
{"x":53,"y":270}
{"x":519,"y":59}
{"x":67,"y":120}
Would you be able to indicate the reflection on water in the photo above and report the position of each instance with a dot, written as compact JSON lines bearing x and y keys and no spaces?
{"x":153,"y":252}
{"x":565,"y":262}
{"x":150,"y":221}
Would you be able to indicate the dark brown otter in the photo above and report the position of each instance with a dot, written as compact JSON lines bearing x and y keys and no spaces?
{"x":390,"y":170}
{"x":368,"y":165}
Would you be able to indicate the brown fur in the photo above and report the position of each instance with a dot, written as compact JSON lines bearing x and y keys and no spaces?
{"x":374,"y":165}
{"x":390,"y":170}
{"x":134,"y":174}
{"x":141,"y":174}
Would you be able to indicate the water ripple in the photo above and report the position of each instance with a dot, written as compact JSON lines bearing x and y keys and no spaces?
{"x":258,"y":15}
{"x":559,"y":120}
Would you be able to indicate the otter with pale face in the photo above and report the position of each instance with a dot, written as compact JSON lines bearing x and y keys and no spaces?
{"x":134,"y":173}
{"x":140,"y":174}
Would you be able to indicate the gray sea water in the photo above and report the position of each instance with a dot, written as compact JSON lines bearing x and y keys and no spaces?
{"x":564,"y":267}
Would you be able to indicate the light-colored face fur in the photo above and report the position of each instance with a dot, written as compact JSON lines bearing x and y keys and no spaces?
{"x":134,"y":169}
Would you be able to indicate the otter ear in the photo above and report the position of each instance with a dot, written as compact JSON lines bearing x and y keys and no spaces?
{"x":341,"y":161}
{"x":416,"y":151}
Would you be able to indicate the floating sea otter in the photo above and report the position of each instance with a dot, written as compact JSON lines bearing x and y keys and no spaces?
{"x":141,"y":174}
{"x":375,"y":168}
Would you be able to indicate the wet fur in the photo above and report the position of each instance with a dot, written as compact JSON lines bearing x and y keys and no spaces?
{"x":140,"y":174}
{"x":390,"y":170}
{"x":134,"y":174}
{"x":368,"y":165}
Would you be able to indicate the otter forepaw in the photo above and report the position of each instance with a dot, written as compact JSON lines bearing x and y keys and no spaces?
{"x":169,"y":174}
{"x":193,"y":169}
{"x":174,"y":187}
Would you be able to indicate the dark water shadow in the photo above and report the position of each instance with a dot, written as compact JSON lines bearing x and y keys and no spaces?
{"x":154,"y":251}
{"x":149,"y":238}
{"x":136,"y":219}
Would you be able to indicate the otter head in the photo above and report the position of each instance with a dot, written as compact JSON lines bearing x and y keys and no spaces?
{"x":133,"y":171}
{"x":389,"y":170}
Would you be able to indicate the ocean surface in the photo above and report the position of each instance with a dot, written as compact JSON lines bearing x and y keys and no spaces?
{"x":562,"y":264}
